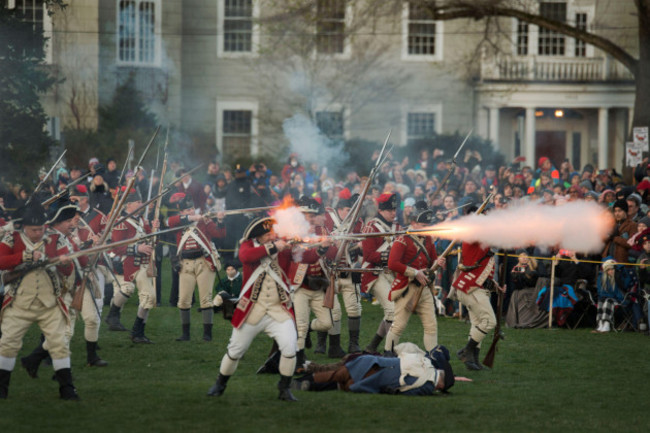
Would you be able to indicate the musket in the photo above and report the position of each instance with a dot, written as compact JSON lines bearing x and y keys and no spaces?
{"x":488,"y":361}
{"x":350,"y":221}
{"x":453,"y":166}
{"x":413,"y":302}
{"x":24,"y":268}
{"x":358,"y":236}
{"x":63,"y":192}
{"x":126,"y":164}
{"x":156,"y":214}
{"x":213,"y":214}
{"x":162,"y":193}
{"x":42,"y":182}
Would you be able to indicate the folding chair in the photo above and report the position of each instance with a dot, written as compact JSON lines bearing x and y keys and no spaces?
{"x":585,"y":305}
{"x":623,"y":315}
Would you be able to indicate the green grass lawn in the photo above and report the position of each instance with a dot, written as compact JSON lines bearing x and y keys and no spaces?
{"x":543,"y":380}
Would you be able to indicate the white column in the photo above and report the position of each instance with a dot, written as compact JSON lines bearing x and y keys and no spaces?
{"x":529,"y":140}
{"x":494,"y":127}
{"x":482,"y":122}
{"x":603,"y":136}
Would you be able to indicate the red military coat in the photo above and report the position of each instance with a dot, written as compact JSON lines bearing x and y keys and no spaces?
{"x":473,"y":254}
{"x":372,"y":256}
{"x":297,"y":271}
{"x":404,"y":254}
{"x":205,"y":231}
{"x":332,"y":222}
{"x":132,"y":260}
{"x":251,"y":254}
{"x":11,"y":255}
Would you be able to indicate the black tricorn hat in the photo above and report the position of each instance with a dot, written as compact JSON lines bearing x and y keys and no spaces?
{"x":62,"y":210}
{"x":425,"y":217}
{"x":309,"y":205}
{"x":34,"y":215}
{"x":259,"y":227}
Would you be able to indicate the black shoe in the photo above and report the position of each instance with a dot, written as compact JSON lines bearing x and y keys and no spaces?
{"x":466,"y":354}
{"x":141,"y":339}
{"x":271,"y":365}
{"x":113,"y":320}
{"x":219,"y":386}
{"x":67,"y":391}
{"x":321,"y":344}
{"x":285,"y":389}
{"x":97,"y":362}
{"x":186,"y":333}
{"x":5,"y":376}
{"x":207,"y":332}
{"x":32,"y":362}
{"x":335,"y":351}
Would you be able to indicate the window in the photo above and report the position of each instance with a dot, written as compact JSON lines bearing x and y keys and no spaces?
{"x":522,"y":38}
{"x":236,"y":129}
{"x":35,"y":12}
{"x":331,"y":124}
{"x":238,"y":26}
{"x":330,"y":26}
{"x":551,"y":43}
{"x":581,"y":46}
{"x":420,"y":126}
{"x":422,"y":36}
{"x":138,"y":24}
{"x":237,"y":32}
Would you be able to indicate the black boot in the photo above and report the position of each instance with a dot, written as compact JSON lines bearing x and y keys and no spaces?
{"x":284,"y":385}
{"x":271,"y":365}
{"x":207,"y":332}
{"x":186,"y":333}
{"x":301,"y":359}
{"x":477,"y":352}
{"x":372,"y":347}
{"x":467,"y":355}
{"x":354,"y":326}
{"x":32,"y":361}
{"x":113,"y":319}
{"x":137,"y":335}
{"x":219,"y":386}
{"x":321,"y":345}
{"x":91,"y":355}
{"x":5,"y":375}
{"x":335,"y":350}
{"x":67,"y":390}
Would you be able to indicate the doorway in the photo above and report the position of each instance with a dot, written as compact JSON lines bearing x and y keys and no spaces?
{"x":551,"y":144}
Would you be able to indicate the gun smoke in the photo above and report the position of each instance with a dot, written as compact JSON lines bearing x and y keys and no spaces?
{"x":576,"y":226}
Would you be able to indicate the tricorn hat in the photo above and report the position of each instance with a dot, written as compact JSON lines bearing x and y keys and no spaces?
{"x":309,"y":205}
{"x":259,"y":227}
{"x":62,"y":210}
{"x":34,"y":215}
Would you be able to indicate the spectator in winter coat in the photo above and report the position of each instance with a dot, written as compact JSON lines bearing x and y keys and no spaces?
{"x":616,"y":244}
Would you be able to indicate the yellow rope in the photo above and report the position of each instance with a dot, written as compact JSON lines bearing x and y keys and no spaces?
{"x":570,"y":260}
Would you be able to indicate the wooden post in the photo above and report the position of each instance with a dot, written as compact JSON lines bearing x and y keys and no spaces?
{"x":550,"y":304}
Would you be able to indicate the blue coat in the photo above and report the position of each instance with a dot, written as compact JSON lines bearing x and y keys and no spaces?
{"x":385,"y":381}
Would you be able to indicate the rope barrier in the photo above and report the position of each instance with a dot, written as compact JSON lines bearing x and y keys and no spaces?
{"x":599,"y":262}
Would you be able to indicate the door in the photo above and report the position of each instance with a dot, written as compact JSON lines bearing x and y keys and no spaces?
{"x":551,"y":144}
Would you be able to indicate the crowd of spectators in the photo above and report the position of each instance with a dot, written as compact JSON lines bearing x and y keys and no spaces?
{"x":221,"y":187}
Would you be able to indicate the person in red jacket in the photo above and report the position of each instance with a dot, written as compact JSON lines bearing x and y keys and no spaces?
{"x":199,"y":261}
{"x":473,"y":286}
{"x":134,"y":260}
{"x":410,"y":258}
{"x":36,"y":297}
{"x":375,"y":255}
{"x":345,"y":281}
{"x":310,"y":282}
{"x":264,"y":304}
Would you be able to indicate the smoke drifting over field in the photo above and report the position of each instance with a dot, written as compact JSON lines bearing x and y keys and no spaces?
{"x":576,"y":226}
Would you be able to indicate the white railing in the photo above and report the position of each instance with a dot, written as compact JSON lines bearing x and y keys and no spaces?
{"x":545,"y":68}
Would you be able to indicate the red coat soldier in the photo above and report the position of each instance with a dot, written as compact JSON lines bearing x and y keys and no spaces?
{"x":375,"y":255}
{"x":410,"y":258}
{"x":264,"y":305}
{"x":199,"y":261}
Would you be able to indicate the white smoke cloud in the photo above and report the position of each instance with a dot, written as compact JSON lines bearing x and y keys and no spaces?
{"x":577,"y":226}
{"x":290,"y":223}
{"x":311,"y":144}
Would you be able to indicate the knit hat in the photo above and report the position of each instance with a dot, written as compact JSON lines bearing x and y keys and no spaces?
{"x":608,"y":264}
{"x":621,"y":204}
